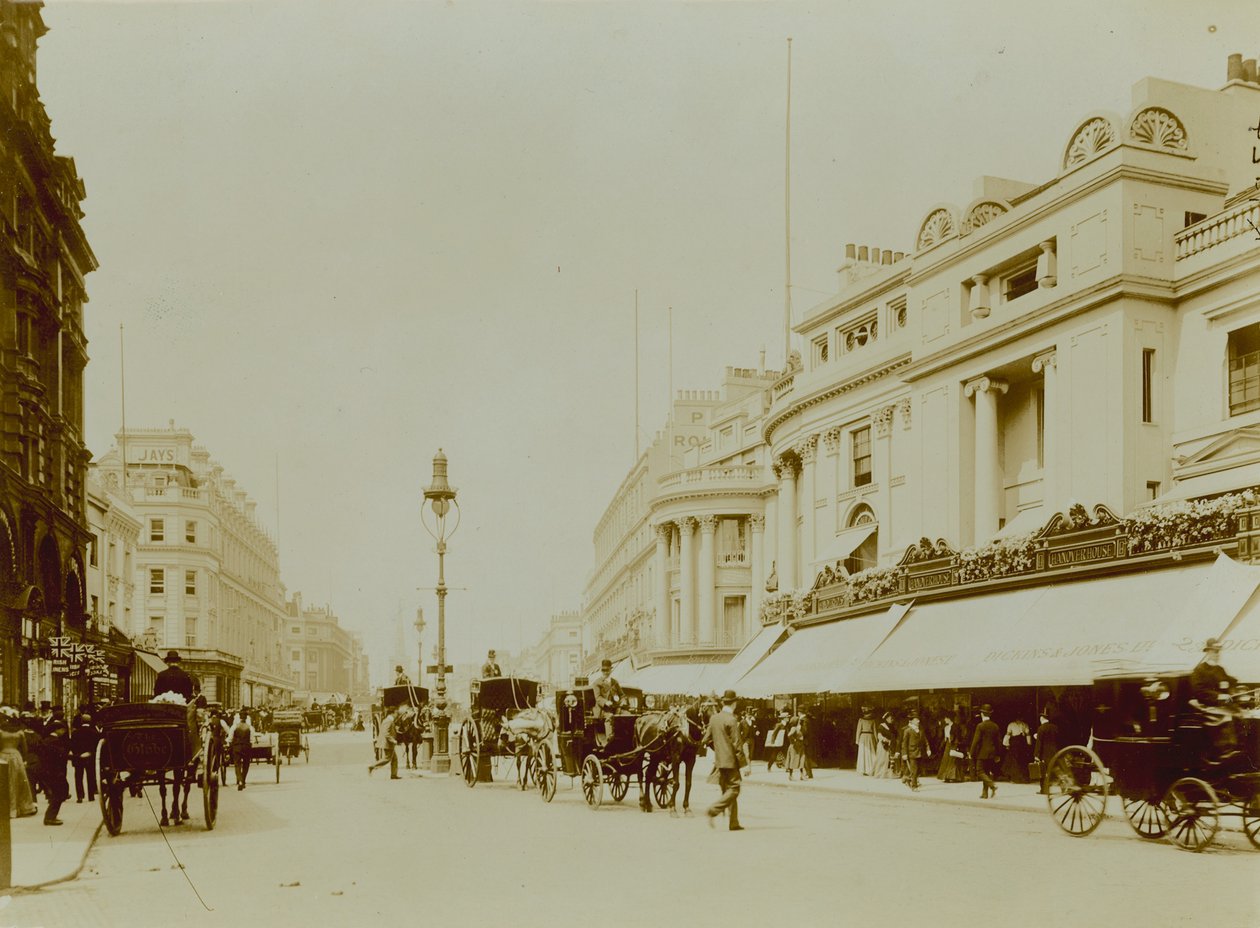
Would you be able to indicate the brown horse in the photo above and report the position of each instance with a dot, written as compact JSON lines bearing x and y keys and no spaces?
{"x":696,"y":722}
{"x":660,"y":737}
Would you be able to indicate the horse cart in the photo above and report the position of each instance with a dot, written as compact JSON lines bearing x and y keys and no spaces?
{"x":484,"y":736}
{"x":291,"y":739}
{"x":313,"y":720}
{"x":1160,"y":755}
{"x":145,"y":744}
{"x":411,"y":718}
{"x":644,"y":752}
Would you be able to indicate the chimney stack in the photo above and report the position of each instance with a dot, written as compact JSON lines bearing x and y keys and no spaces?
{"x":898,"y":255}
{"x":850,"y":252}
{"x":1249,"y":70}
{"x":1233,"y":70}
{"x":886,"y":256}
{"x":863,"y":253}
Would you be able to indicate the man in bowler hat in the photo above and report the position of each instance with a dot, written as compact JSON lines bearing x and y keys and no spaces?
{"x":175,"y":679}
{"x":984,"y":750}
{"x":723,"y":735}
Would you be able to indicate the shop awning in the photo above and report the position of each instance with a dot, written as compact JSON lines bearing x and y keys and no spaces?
{"x":1213,"y":484}
{"x":749,"y":656}
{"x":1240,"y":642}
{"x":151,"y":661}
{"x":844,"y":544}
{"x":817,"y":658}
{"x":683,"y":679}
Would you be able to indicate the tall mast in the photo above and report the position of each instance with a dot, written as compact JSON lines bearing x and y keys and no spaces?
{"x":787,"y":215}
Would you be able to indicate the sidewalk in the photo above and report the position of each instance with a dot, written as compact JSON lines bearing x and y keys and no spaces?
{"x":1019,"y":797}
{"x":46,"y":853}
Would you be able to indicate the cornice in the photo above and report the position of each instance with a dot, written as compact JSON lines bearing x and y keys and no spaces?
{"x":1218,"y":274}
{"x":845,"y":302}
{"x":1081,"y":301}
{"x":834,"y":390}
{"x":715,"y":493}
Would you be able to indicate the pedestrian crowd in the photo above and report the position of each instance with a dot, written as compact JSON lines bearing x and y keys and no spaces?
{"x":42,"y":747}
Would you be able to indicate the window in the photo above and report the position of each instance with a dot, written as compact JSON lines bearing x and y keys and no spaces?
{"x":860,"y":335}
{"x":96,"y":608}
{"x":190,"y":531}
{"x":1148,"y":384}
{"x":1192,"y":218}
{"x":897,"y":313}
{"x":1152,"y":489}
{"x":821,"y":351}
{"x":867,"y":553}
{"x":297,"y":629}
{"x":862,"y":456}
{"x":92,"y":550}
{"x":157,"y":626}
{"x":157,"y":580}
{"x":1244,"y":369}
{"x":1020,"y":282}
{"x":157,"y":530}
{"x":190,"y":631}
{"x":190,"y":582}
{"x":296,"y":656}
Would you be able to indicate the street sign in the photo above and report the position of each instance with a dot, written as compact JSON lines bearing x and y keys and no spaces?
{"x":433,"y":669}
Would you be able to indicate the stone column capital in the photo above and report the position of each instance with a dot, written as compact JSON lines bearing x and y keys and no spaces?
{"x":708,"y":524}
{"x":785,"y":466}
{"x":664,"y":530}
{"x":807,"y":449}
{"x":905,"y":409}
{"x":985,"y":384}
{"x":757,"y":523}
{"x":831,"y":440}
{"x":1042,"y":361}
{"x":686,"y":525}
{"x":883,"y":420}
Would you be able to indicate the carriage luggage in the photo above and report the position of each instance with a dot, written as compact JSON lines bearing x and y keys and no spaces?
{"x":482,"y":738}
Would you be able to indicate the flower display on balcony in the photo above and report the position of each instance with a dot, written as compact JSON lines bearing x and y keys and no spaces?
{"x":927,"y":550}
{"x":998,"y":559}
{"x":1193,"y":522}
{"x":785,"y":607}
{"x":874,"y":583}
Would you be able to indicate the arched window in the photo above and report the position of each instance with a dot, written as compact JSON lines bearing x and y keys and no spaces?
{"x":867,"y":553}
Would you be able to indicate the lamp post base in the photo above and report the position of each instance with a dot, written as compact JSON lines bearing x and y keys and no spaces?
{"x":440,"y":763}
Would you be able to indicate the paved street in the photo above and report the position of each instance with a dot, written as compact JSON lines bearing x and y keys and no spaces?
{"x":329,"y":845}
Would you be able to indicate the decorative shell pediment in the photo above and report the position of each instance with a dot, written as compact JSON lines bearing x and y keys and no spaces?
{"x":939,"y":225}
{"x":1078,"y":519}
{"x":1159,"y":128}
{"x":926,"y":550}
{"x":981,"y":213}
{"x":1094,"y":136}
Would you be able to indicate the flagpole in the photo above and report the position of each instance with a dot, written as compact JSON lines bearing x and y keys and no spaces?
{"x":787,"y":215}
{"x":636,"y":375}
{"x":669,"y":458}
{"x":122,"y":391}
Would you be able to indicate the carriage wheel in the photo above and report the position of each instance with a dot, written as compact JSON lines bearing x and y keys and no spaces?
{"x":592,"y":782}
{"x":210,"y":762}
{"x":1078,"y":790}
{"x":109,"y":790}
{"x":1147,"y":817}
{"x":546,"y":773}
{"x":306,"y":749}
{"x":663,"y":786}
{"x":1192,"y":820}
{"x":526,"y":771}
{"x":1251,"y":819}
{"x":619,"y":786}
{"x":469,"y":751}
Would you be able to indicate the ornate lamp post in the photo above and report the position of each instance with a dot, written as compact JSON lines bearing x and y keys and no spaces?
{"x":440,"y":496}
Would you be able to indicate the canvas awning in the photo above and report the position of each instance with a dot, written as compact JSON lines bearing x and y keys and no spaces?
{"x":749,"y":656}
{"x":844,"y":544}
{"x":1213,"y":484}
{"x":816,"y":659}
{"x":682,"y":679}
{"x":1024,"y":523}
{"x":152,"y":661}
{"x":1240,"y":642}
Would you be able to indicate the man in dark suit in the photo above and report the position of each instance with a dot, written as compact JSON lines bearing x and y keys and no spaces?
{"x":175,"y":679}
{"x":1047,"y":746}
{"x":914,"y":747}
{"x":724,"y":735}
{"x":984,"y":750}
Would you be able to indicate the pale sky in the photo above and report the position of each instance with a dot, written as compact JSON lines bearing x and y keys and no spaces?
{"x":345,"y":234}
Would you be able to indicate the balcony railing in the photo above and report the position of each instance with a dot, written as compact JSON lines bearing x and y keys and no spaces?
{"x":732,"y":559}
{"x":1243,"y":219}
{"x":735,"y":473}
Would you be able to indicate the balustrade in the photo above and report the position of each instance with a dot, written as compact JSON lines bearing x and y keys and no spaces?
{"x":1243,"y":219}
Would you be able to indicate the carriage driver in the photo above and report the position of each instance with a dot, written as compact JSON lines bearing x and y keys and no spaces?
{"x":1211,"y":688}
{"x":608,"y":698}
{"x":491,"y":667}
{"x":175,"y":679}
{"x":400,"y":676}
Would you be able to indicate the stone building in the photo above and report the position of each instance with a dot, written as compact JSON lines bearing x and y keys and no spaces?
{"x":207,"y":574}
{"x":44,"y":258}
{"x":320,"y":653}
{"x":556,"y":658}
{"x":111,"y":586}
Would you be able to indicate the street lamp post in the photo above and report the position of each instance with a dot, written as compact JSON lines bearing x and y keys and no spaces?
{"x":440,"y":496}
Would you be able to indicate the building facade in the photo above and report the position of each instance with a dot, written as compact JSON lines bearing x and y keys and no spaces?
{"x":320,"y":653}
{"x":556,"y":658}
{"x":207,"y":574}
{"x":111,"y":583}
{"x":44,"y":258}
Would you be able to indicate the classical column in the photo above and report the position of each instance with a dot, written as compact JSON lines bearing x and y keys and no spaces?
{"x":756,"y":589}
{"x":686,"y":581}
{"x":706,"y":580}
{"x":770,"y":546}
{"x":664,"y":614}
{"x":785,"y":469}
{"x":807,"y":451}
{"x":988,"y":500}
{"x":1047,"y":365}
{"x":1047,"y":265}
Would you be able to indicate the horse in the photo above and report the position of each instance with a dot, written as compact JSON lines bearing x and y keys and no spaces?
{"x":521,"y":736}
{"x":695,"y":722}
{"x":661,"y":737}
{"x":409,"y":725}
{"x":183,"y":777}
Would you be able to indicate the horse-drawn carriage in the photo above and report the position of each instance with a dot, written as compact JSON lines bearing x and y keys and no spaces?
{"x":292,"y":740}
{"x":313,"y":719}
{"x":484,"y":735}
{"x":642,"y":746}
{"x":411,"y":717}
{"x":1159,"y":752}
{"x":143,"y":743}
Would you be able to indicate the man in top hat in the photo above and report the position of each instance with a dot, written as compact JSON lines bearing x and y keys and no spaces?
{"x":175,"y":679}
{"x":400,"y":676}
{"x":491,"y":667}
{"x":723,"y":735}
{"x":1211,"y":689}
{"x":984,"y":750}
{"x":608,"y":697}
{"x":913,"y":747}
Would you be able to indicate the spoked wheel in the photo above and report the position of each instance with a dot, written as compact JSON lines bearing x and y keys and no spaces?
{"x":664,"y":789}
{"x":306,"y":749}
{"x":109,"y":791}
{"x":592,"y":782}
{"x":469,"y":751}
{"x":210,"y":780}
{"x":1191,"y":806}
{"x":619,"y":786}
{"x":1147,"y":817}
{"x":526,"y":771}
{"x":546,"y":773}
{"x":1078,"y":790}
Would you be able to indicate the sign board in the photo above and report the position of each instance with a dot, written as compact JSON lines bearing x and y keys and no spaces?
{"x":433,"y":669}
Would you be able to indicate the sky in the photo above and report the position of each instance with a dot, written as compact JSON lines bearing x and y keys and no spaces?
{"x":339,"y":236}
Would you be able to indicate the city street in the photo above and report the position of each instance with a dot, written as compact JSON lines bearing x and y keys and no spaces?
{"x":329,"y":845}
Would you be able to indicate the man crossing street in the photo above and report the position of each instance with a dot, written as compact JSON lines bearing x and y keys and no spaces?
{"x":723,"y":735}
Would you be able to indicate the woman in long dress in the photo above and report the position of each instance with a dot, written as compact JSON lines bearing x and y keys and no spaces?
{"x":12,"y":746}
{"x":795,"y":762}
{"x":884,"y":735}
{"x":949,"y":771}
{"x":1018,"y":744}
{"x":865,"y":740}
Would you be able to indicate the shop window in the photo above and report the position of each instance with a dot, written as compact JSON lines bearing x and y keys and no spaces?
{"x":1244,"y":369}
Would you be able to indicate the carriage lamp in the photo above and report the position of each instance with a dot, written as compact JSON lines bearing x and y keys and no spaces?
{"x":440,"y":497}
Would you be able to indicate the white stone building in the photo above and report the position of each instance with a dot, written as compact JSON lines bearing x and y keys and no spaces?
{"x":320,"y":653}
{"x":556,"y":658}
